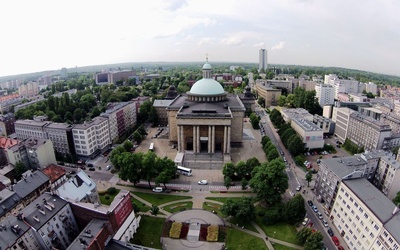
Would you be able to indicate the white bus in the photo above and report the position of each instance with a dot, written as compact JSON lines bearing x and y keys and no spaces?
{"x":151,"y":148}
{"x":184,"y":171}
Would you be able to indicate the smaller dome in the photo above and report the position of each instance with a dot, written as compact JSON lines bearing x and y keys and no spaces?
{"x":207,"y":66}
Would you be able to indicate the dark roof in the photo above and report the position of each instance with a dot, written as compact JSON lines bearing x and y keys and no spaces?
{"x":120,"y":245}
{"x":14,"y":229}
{"x":30,"y":182}
{"x":9,"y":199}
{"x":88,"y":234}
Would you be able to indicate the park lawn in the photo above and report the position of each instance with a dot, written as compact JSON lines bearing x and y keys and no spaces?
{"x":282,"y":247}
{"x":149,"y":232}
{"x":158,"y":199}
{"x":143,"y":207}
{"x":211,"y":206}
{"x":223,"y":199}
{"x":106,"y":198}
{"x":179,"y":206}
{"x":238,"y":240}
{"x":240,"y":223}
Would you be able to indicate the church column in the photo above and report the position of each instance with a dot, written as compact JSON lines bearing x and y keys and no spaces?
{"x":213,"y":139}
{"x":179,"y":139}
{"x":225,"y":137}
{"x":209,"y":139}
{"x":198,"y":138}
{"x":194,"y":140}
{"x":182,"y":140}
{"x":228,"y":146}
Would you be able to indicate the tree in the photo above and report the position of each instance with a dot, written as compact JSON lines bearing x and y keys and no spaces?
{"x":137,"y":136}
{"x":19,"y":170}
{"x":308,"y":178}
{"x":244,"y":183}
{"x":273,"y":154}
{"x":227,"y":182}
{"x":295,"y":145}
{"x":269,"y":181}
{"x":282,"y":101}
{"x":303,"y":234}
{"x":314,"y":241}
{"x":294,"y":209}
{"x":127,"y":146}
{"x":154,"y":210}
{"x":251,"y":164}
{"x":149,"y":166}
{"x":396,"y":200}
{"x":243,"y":209}
{"x":229,"y":170}
{"x":167,"y":169}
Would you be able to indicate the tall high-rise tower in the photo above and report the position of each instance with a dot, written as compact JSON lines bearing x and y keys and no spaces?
{"x":263,"y":60}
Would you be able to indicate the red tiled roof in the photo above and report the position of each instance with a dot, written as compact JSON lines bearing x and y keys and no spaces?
{"x":7,"y":142}
{"x":54,"y":172}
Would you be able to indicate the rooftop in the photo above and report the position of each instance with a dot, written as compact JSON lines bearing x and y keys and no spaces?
{"x":376,"y":201}
{"x":345,"y":167}
{"x":306,"y":125}
{"x":88,"y":234}
{"x":162,"y":103}
{"x":11,"y":230}
{"x":96,"y":121}
{"x":54,"y":172}
{"x":9,"y":199}
{"x":77,"y":187}
{"x":30,"y":182}
{"x":31,"y":123}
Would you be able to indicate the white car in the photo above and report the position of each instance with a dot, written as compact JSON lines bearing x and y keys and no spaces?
{"x":305,"y":221}
{"x":325,"y":223}
{"x":158,"y":190}
{"x":298,"y":188}
{"x":202,"y":182}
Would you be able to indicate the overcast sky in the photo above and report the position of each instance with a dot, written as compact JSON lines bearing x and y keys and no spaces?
{"x":47,"y":35}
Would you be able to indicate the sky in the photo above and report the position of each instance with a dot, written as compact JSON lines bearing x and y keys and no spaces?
{"x":49,"y":35}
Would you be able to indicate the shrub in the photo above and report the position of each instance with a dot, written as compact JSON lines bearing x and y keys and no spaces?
{"x":261,"y":213}
{"x":175,"y":230}
{"x":212,"y":233}
{"x":111,"y":190}
{"x":107,"y":197}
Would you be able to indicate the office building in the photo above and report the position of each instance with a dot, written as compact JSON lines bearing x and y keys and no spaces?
{"x":269,"y":93}
{"x":341,"y":117}
{"x":263,"y":60}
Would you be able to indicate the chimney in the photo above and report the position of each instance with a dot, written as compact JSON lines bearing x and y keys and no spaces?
{"x":395,"y":210}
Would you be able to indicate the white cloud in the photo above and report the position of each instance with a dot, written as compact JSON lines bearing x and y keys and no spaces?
{"x":279,"y":46}
{"x":259,"y":45}
{"x":206,"y":40}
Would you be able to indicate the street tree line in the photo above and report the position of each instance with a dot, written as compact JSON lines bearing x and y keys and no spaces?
{"x":138,"y":166}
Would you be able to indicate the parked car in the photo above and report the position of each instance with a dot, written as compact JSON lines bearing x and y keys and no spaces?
{"x":325,"y":223}
{"x":298,"y":188}
{"x":335,"y":240}
{"x":340,"y":248}
{"x":202,"y":182}
{"x":314,"y":208}
{"x":108,"y":167}
{"x":305,"y":221}
{"x":158,"y":190}
{"x":92,"y":169}
{"x":320,"y":216}
{"x":310,"y":203}
{"x":90,"y":165}
{"x":330,"y":232}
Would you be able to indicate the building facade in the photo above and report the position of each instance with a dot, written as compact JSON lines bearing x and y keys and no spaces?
{"x":387,"y":176}
{"x":263,"y":60}
{"x":325,"y":94}
{"x":7,"y":124}
{"x":341,"y":117}
{"x":268,"y":93}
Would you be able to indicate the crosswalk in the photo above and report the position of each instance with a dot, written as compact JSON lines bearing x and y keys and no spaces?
{"x":223,"y":188}
{"x":179,"y":186}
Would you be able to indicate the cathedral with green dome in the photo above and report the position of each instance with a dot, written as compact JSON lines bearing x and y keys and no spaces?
{"x":206,"y":119}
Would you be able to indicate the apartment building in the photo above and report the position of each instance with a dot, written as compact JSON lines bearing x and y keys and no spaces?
{"x":91,"y":138}
{"x":4,"y":144}
{"x":387,"y":176}
{"x":56,"y":174}
{"x":325,"y":94}
{"x":341,"y":117}
{"x":33,"y":153}
{"x":269,"y":93}
{"x":161,"y":109}
{"x":121,"y":117}
{"x":307,"y":85}
{"x":365,"y":218}
{"x":113,"y":77}
{"x":53,"y":223}
{"x":7,"y":124}
{"x":324,"y":123}
{"x":31,"y":186}
{"x":9,"y":204}
{"x":332,"y":171}
{"x":80,"y":187}
{"x":28,"y":90}
{"x":393,"y":120}
{"x":367,"y":132}
{"x":26,"y":129}
{"x":8,"y":101}
{"x":371,"y":87}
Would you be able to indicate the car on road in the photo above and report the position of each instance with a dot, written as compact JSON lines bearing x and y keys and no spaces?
{"x":281,"y":152}
{"x":335,"y":241}
{"x":108,"y":167}
{"x":202,"y":182}
{"x":325,"y":223}
{"x":310,"y":203}
{"x":92,"y":169}
{"x":305,"y":221}
{"x":330,"y":232}
{"x":90,"y":165}
{"x":320,"y":216}
{"x":314,"y":208}
{"x":298,"y":188}
{"x":284,"y":159}
{"x":158,"y":190}
{"x":340,"y":248}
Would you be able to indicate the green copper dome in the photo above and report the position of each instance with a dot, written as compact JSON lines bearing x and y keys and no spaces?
{"x":207,"y":86}
{"x":207,"y":66}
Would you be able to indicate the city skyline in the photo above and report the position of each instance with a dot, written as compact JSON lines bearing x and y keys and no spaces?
{"x":48,"y":35}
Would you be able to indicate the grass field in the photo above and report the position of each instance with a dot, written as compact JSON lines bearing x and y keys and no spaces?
{"x":106,"y":198}
{"x":238,"y":240}
{"x":282,"y":247}
{"x":149,"y":232}
{"x":179,"y":206}
{"x":223,"y":199}
{"x":158,"y":199}
{"x":143,"y":207}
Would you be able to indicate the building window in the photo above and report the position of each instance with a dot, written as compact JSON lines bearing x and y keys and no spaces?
{"x":376,"y":227}
{"x":357,"y":217}
{"x":371,"y":235}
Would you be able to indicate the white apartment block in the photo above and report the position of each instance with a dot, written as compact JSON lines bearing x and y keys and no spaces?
{"x":120,"y":117}
{"x":365,"y":218}
{"x":357,"y":97}
{"x":341,"y":85}
{"x":324,"y":123}
{"x":371,"y":87}
{"x":325,"y":94}
{"x":392,"y":120}
{"x":28,"y":90}
{"x":367,"y":132}
{"x":30,"y":129}
{"x":387,"y":176}
{"x":341,"y":117}
{"x":91,"y":138}
{"x":312,"y":135}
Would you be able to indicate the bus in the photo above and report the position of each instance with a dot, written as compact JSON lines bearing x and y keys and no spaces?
{"x":151,"y":148}
{"x":184,"y":171}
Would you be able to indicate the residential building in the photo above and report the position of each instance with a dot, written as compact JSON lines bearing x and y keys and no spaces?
{"x":268,"y":93}
{"x":80,"y":188}
{"x":367,"y":132}
{"x":365,"y":218}
{"x":371,"y":87}
{"x":390,"y":143}
{"x":4,"y":144}
{"x":33,"y":153}
{"x":287,"y":84}
{"x":387,"y":176}
{"x":393,"y":120}
{"x":356,"y":97}
{"x":91,"y":138}
{"x":325,"y":94}
{"x":375,"y":113}
{"x":263,"y":60}
{"x":26,"y":129}
{"x":9,"y":204}
{"x":307,"y":85}
{"x":341,"y":117}
{"x":53,"y":223}
{"x":121,"y":117}
{"x":28,"y":90}
{"x":8,"y":101}
{"x":56,"y":174}
{"x":60,"y":134}
{"x":31,"y":186}
{"x":19,"y":106}
{"x":7,"y":124}
{"x":115,"y":76}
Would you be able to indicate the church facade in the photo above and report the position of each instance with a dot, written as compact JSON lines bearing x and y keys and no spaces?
{"x":206,"y":119}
